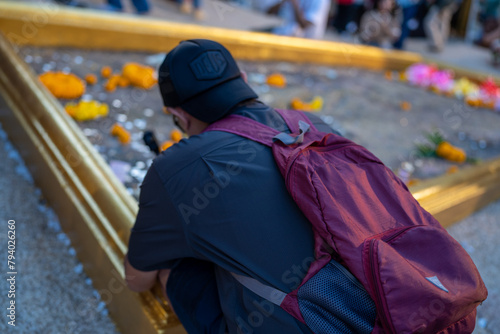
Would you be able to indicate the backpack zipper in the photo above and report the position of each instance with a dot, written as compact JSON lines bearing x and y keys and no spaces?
{"x":383,"y":311}
{"x":348,"y":274}
{"x":377,"y":287}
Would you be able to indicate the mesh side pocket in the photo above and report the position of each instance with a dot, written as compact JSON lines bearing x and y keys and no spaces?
{"x":333,"y":301}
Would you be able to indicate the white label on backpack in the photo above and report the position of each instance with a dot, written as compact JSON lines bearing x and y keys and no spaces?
{"x":434,"y":280}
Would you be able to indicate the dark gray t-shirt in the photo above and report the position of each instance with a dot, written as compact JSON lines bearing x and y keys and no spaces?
{"x":220,"y":198}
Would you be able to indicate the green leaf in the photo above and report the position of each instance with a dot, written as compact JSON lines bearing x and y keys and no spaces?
{"x":425,"y":150}
{"x":435,"y":137}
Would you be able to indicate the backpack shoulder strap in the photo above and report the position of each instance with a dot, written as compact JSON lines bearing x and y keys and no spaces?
{"x":253,"y":130}
{"x":245,"y":127}
{"x":292,"y":118}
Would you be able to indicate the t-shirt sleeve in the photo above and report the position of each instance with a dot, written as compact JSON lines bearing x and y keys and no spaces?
{"x":157,"y":239}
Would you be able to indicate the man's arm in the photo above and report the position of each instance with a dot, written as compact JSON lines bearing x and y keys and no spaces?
{"x":138,"y":280}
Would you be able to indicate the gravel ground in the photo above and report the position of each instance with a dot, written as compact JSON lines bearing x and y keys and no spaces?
{"x":52,"y":293}
{"x":363,"y":105}
{"x":479,"y":235}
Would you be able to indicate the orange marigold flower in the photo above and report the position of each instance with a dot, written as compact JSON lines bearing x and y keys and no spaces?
{"x":473,"y":102}
{"x":166,"y":145}
{"x":110,"y":87}
{"x":452,"y":170}
{"x":91,"y":79}
{"x":106,"y":71}
{"x":449,"y":152}
{"x":118,"y":131}
{"x":176,"y":135}
{"x":297,"y":104}
{"x":123,"y":82}
{"x":405,"y":105}
{"x":139,"y":75}
{"x":412,"y":182}
{"x":276,"y":80}
{"x":112,"y":82}
{"x":63,"y":85}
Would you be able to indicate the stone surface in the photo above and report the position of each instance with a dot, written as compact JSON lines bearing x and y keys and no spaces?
{"x":479,"y":235}
{"x":362,"y":105}
{"x":52,"y":293}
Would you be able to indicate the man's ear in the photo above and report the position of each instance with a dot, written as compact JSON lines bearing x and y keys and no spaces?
{"x":177,"y":111}
{"x":244,"y":76}
{"x":181,"y":115}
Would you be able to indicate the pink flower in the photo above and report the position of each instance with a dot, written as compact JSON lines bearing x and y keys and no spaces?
{"x":420,"y":74}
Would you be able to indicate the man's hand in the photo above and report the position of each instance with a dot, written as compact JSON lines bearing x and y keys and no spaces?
{"x":138,"y":280}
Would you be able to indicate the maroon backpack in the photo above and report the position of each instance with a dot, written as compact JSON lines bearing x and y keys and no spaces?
{"x":363,"y":216}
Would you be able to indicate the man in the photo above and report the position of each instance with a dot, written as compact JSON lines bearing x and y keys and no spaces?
{"x":216,"y":204}
{"x":302,"y":18}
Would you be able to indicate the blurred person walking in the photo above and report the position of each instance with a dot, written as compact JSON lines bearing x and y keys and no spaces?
{"x":437,"y":23}
{"x":303,"y":18}
{"x":192,"y":6}
{"x":381,"y":26}
{"x":141,"y":6}
{"x":346,"y":10}
{"x":410,"y":10}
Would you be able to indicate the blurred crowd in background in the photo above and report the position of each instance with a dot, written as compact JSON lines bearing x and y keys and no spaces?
{"x":382,"y":23}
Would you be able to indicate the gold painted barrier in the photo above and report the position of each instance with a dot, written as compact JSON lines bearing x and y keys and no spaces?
{"x":451,"y":198}
{"x":46,"y":24}
{"x":94,"y":208}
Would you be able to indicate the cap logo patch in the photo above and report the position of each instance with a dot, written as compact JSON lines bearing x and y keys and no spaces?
{"x":209,"y":65}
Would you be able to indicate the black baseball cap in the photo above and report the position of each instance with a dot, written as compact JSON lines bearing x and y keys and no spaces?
{"x":202,"y":77}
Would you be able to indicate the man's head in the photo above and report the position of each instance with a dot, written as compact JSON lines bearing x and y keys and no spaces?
{"x":201,"y":78}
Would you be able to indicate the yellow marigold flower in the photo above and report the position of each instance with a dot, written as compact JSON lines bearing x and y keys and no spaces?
{"x":316,"y":104}
{"x":87,"y":110}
